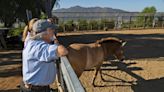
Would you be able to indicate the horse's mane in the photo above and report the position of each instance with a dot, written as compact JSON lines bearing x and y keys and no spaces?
{"x":109,"y":39}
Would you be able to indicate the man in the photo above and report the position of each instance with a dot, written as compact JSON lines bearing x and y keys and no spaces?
{"x":39,"y":70}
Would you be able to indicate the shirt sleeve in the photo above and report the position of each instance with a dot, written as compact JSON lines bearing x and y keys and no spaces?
{"x":49,"y":53}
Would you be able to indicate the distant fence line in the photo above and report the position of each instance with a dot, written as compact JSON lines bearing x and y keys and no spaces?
{"x":109,"y":13}
{"x":112,"y":20}
{"x":69,"y":15}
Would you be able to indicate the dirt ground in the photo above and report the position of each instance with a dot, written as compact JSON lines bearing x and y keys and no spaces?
{"x":142,"y":71}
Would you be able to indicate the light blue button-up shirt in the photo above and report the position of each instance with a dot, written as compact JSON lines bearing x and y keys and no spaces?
{"x":38,"y":62}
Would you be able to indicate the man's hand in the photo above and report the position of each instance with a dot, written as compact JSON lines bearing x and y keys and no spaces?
{"x":55,"y":39}
{"x":61,"y":51}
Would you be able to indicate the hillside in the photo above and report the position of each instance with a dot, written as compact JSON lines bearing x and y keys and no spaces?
{"x":78,"y":12}
{"x":88,"y":9}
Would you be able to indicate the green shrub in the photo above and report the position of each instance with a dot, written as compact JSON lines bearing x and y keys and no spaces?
{"x":106,"y":24}
{"x":83,"y":24}
{"x":93,"y":25}
{"x":69,"y":25}
{"x":15,"y":32}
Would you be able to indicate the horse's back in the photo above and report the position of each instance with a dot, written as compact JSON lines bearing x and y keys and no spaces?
{"x":80,"y":46}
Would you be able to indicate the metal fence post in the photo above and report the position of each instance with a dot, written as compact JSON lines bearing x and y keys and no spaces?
{"x":130,"y":21}
{"x":28,"y":14}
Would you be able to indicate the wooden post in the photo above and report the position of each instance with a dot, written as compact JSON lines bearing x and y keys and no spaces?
{"x":29,"y":15}
{"x":3,"y":33}
{"x":144,"y":22}
{"x":48,"y":8}
{"x":64,"y":27}
{"x":104,"y":28}
{"x":2,"y":41}
{"x":130,"y":21}
{"x":59,"y":78}
{"x":153,"y":22}
{"x":79,"y":27}
{"x":162,"y":21}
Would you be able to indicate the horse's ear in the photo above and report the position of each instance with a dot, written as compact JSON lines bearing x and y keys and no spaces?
{"x":99,"y":41}
{"x":123,"y":43}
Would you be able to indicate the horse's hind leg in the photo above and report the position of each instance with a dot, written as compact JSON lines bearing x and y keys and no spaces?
{"x":96,"y":73}
{"x":102,"y":78}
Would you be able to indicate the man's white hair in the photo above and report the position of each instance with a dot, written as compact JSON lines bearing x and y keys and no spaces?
{"x":38,"y":36}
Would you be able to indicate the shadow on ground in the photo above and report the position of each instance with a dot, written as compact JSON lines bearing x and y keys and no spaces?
{"x":141,"y":85}
{"x":153,"y":85}
{"x":10,"y":90}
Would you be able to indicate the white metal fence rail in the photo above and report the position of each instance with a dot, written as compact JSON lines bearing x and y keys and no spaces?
{"x":70,"y":80}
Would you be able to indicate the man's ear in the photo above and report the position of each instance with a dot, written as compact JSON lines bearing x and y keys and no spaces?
{"x":48,"y":30}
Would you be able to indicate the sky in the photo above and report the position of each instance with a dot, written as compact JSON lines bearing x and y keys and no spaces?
{"x":128,"y":5}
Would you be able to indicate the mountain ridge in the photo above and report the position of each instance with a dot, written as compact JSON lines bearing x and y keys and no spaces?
{"x":88,"y":9}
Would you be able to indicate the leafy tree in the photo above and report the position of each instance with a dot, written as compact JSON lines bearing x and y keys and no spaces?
{"x":69,"y":25}
{"x":147,"y":19}
{"x":43,"y":15}
{"x":151,"y":9}
{"x":61,"y":26}
{"x":13,"y":9}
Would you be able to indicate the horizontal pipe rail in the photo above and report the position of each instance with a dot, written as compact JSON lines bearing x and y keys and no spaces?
{"x":70,"y":78}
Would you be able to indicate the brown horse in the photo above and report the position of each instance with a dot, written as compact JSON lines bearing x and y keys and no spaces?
{"x":87,"y":56}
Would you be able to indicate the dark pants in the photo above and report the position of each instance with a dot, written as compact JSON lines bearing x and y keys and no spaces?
{"x":33,"y":88}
